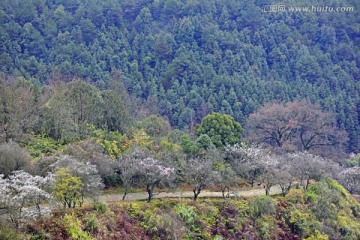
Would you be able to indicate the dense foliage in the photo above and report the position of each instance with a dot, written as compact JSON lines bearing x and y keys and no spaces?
{"x":185,"y":59}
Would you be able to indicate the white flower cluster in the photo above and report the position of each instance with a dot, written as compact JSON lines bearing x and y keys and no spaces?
{"x":23,"y":191}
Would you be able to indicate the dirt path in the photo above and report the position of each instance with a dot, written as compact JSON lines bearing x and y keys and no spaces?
{"x":187,"y":194}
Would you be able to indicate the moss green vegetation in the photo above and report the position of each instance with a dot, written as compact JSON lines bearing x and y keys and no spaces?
{"x":324,"y":211}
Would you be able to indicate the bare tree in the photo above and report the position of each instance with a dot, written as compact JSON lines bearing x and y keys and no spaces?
{"x":315,"y":128}
{"x":269,"y":176}
{"x":224,"y":177}
{"x":91,"y":151}
{"x":18,"y":107}
{"x":272,"y":124}
{"x":127,"y":166}
{"x":297,"y":125}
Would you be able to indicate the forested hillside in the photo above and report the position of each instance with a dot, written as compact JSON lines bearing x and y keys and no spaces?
{"x":185,"y":59}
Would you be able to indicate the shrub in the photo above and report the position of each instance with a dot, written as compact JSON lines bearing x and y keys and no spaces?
{"x":301,"y":222}
{"x":8,"y":232}
{"x":73,"y":228}
{"x":39,"y":145}
{"x":296,"y":196}
{"x":163,"y":224}
{"x":317,"y":236}
{"x":101,"y":207}
{"x":92,"y":224}
{"x":262,"y":205}
{"x":186,"y":213}
{"x":266,"y":226}
{"x":350,"y":229}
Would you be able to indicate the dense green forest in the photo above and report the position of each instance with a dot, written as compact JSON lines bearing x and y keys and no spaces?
{"x":185,"y":59}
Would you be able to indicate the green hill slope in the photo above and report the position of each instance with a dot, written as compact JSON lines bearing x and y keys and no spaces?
{"x":324,"y":211}
{"x":189,"y":58}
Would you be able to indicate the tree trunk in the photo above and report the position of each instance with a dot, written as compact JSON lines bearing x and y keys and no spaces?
{"x":123,"y":197}
{"x":307,"y":183}
{"x":223,"y":189}
{"x":149,"y":190}
{"x":196,"y":193}
{"x":267,"y":190}
{"x":38,"y":209}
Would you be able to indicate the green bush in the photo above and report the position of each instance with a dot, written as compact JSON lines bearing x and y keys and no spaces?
{"x":101,"y":207}
{"x":39,"y":145}
{"x":333,"y":184}
{"x":262,"y":205}
{"x":266,"y":226}
{"x":349,"y":228}
{"x":301,"y":222}
{"x":92,"y":224}
{"x":8,"y":232}
{"x":164,"y":224}
{"x":73,"y":228}
{"x":186,"y":213}
{"x":317,"y":236}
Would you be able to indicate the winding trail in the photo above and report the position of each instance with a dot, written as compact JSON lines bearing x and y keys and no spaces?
{"x":187,"y":194}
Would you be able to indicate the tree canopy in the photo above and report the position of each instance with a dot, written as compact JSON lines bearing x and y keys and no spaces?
{"x":221,"y":128}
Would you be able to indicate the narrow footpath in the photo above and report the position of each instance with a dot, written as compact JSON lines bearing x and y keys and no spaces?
{"x":187,"y":194}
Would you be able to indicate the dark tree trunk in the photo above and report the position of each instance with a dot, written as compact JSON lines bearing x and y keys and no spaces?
{"x":223,"y":190}
{"x":123,"y":197}
{"x":150,"y":191}
{"x":196,"y":193}
{"x":267,"y":190}
{"x":307,"y":183}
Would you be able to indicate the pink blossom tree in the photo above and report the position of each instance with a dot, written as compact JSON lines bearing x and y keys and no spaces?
{"x":153,"y":173}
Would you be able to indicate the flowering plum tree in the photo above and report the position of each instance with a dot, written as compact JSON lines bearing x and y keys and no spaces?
{"x":22,"y":190}
{"x":128,"y":169}
{"x":86,"y":175}
{"x":199,"y":173}
{"x":309,"y":166}
{"x":350,"y":179}
{"x":245,"y":161}
{"x":154,"y":173}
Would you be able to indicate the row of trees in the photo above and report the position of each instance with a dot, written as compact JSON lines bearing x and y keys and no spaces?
{"x":81,"y":169}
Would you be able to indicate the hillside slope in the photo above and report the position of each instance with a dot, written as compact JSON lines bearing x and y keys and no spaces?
{"x":184,"y":59}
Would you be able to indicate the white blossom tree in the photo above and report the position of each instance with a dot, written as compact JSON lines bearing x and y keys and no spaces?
{"x":245,"y":161}
{"x":199,"y":173}
{"x":128,"y":169}
{"x":309,"y":166}
{"x":88,"y":173}
{"x":153,"y":173}
{"x":21,"y":191}
{"x":350,"y":179}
